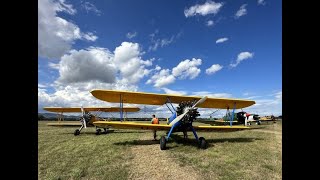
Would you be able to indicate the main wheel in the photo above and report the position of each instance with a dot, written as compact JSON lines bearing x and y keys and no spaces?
{"x":105,"y":130}
{"x":98,"y":132}
{"x":76,"y":132}
{"x":202,"y":143}
{"x":163,"y":143}
{"x":259,"y":123}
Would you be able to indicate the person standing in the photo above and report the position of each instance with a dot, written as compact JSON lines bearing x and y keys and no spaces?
{"x":154,"y":120}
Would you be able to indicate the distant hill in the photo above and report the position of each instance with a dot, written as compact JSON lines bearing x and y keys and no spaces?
{"x":54,"y":117}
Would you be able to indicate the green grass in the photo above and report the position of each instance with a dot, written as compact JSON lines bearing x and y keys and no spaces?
{"x":235,"y":155}
{"x":61,"y":155}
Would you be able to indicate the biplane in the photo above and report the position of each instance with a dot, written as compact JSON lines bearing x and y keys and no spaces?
{"x":248,"y":119}
{"x":182,"y":116}
{"x":268,"y":119}
{"x":87,"y":118}
{"x":242,"y":118}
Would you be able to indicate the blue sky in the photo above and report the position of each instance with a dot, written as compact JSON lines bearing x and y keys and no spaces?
{"x":161,"y":47}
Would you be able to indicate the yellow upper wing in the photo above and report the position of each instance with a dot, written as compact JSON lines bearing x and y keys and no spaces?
{"x":132,"y":125}
{"x":78,"y":109}
{"x":160,"y":99}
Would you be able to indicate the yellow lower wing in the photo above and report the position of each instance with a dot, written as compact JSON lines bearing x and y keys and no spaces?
{"x":132,"y":125}
{"x":220,"y":128}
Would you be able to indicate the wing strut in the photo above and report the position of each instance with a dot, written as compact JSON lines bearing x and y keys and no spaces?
{"x":121,"y":108}
{"x":234,"y":107}
{"x":173,"y":110}
{"x":172,"y":127}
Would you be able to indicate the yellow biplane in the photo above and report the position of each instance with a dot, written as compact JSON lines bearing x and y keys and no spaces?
{"x":87,"y":117}
{"x":182,"y":116}
{"x":268,"y":119}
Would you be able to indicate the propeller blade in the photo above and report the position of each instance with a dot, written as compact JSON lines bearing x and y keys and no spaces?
{"x":84,"y":123}
{"x":200,"y":101}
{"x":82,"y":110}
{"x":178,"y":118}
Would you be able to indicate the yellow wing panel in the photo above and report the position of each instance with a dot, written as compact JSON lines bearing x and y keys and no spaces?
{"x":78,"y":109}
{"x":64,"y":124}
{"x":220,"y":128}
{"x":160,"y":99}
{"x":131,"y":125}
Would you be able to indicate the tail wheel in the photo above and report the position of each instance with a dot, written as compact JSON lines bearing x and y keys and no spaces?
{"x":76,"y":132}
{"x":202,"y":143}
{"x":163,"y":143}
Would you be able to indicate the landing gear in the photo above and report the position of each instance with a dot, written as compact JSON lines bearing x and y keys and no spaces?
{"x":76,"y":132}
{"x":202,"y":143}
{"x":105,"y":130}
{"x":185,"y":135}
{"x":258,"y":123}
{"x":98,"y":131}
{"x":163,"y":143}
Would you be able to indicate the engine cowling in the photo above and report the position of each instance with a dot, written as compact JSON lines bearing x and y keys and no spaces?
{"x":192,"y":112}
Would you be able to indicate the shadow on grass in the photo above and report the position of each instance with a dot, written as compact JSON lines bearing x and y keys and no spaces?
{"x":189,"y":142}
{"x":138,"y":142}
{"x":210,"y":142}
{"x":102,"y":133}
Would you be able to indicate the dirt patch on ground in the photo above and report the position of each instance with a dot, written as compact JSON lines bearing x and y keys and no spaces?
{"x":150,"y":162}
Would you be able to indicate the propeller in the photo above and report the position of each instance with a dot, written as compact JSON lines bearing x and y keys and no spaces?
{"x":178,"y":118}
{"x":83,"y":119}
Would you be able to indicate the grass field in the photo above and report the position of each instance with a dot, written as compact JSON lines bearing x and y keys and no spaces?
{"x":131,"y":154}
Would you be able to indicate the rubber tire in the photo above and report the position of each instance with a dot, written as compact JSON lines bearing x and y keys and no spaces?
{"x":163,"y":143}
{"x":105,"y":131}
{"x":202,"y":143}
{"x":98,"y":131}
{"x":259,"y":123}
{"x":76,"y":132}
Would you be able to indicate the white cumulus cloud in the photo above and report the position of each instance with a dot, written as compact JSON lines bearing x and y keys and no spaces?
{"x":100,"y":64}
{"x":55,"y":34}
{"x":131,"y":35}
{"x":213,"y":69}
{"x":187,"y":69}
{"x":221,"y":40}
{"x":162,"y":78}
{"x":267,"y":106}
{"x":242,"y":56}
{"x":241,"y":12}
{"x":89,"y":7}
{"x":170,"y":91}
{"x":210,"y":23}
{"x":77,"y":94}
{"x":89,"y":64}
{"x":210,"y":7}
{"x":213,"y":95}
{"x":127,"y":58}
{"x":157,"y":68}
{"x":261,"y":2}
